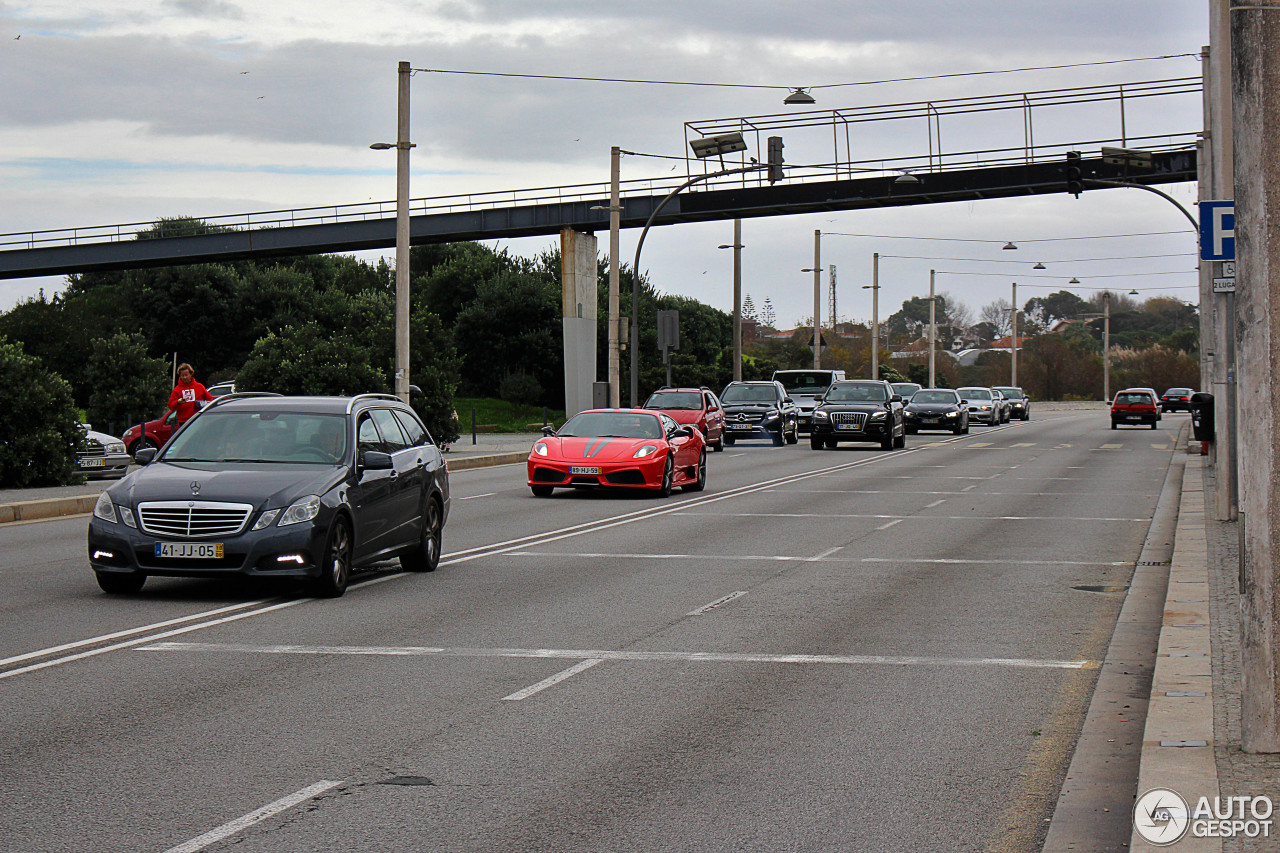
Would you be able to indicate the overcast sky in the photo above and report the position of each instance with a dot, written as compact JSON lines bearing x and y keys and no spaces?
{"x":116,"y":111}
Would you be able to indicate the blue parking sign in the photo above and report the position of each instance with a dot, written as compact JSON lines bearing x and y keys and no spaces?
{"x":1217,"y":230}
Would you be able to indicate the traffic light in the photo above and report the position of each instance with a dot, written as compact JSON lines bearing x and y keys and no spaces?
{"x":775,"y":159}
{"x":1075,"y":184}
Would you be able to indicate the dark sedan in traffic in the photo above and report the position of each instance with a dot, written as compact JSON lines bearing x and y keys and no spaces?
{"x":283,"y":487}
{"x":936,"y":408}
{"x":859,"y":410}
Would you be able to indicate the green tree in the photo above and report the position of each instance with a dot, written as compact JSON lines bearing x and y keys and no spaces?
{"x":39,"y":423}
{"x":308,"y":359}
{"x":512,"y":326}
{"x":132,"y":385}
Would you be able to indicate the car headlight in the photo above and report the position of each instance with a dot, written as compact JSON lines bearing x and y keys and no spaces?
{"x":985,"y":408}
{"x":105,"y":509}
{"x":907,"y":414}
{"x":302,"y":510}
{"x":819,"y":415}
{"x":116,"y":447}
{"x":540,"y":448}
{"x":879,"y":416}
{"x":772,"y":416}
{"x":266,"y":518}
{"x":645,"y":452}
{"x":953,"y":414}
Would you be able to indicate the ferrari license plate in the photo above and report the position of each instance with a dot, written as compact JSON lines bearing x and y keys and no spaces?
{"x":584,"y":469}
{"x":189,"y":550}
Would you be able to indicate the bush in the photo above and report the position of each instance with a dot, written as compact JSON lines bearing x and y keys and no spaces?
{"x":39,"y":423}
{"x":126,"y":383}
{"x":521,"y":389}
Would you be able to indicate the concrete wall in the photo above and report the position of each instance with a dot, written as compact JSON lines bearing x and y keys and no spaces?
{"x":579,"y":296}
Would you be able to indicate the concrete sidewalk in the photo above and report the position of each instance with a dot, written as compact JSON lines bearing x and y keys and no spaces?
{"x":1191,"y":744}
{"x":51,"y":502}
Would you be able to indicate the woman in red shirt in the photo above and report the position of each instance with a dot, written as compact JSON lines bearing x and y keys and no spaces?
{"x":184,"y":396}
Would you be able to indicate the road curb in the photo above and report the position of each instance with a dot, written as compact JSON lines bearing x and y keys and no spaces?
{"x":50,"y":508}
{"x":38,"y":510}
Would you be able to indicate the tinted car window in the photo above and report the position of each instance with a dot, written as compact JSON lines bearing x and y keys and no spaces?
{"x":750,"y":394}
{"x":414,"y":431}
{"x":935,"y":397}
{"x":1136,"y":398}
{"x":221,"y":436}
{"x":367,"y":437}
{"x":674,"y":400}
{"x":392,"y":436}
{"x":975,"y":393}
{"x":616,"y":424}
{"x":857,"y":393}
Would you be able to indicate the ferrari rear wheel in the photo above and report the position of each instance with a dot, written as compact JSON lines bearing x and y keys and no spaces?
{"x":701,"y":483}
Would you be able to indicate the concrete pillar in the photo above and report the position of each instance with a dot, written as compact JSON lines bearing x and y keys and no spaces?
{"x":579,"y":296}
{"x":1255,"y":47}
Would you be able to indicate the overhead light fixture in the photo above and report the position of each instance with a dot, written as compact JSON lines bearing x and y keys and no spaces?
{"x":906,"y":178}
{"x":798,"y":97}
{"x":1039,"y":266}
{"x":712,"y":146}
{"x":1074,"y":280}
{"x":1010,"y":245}
{"x":1134,"y":292}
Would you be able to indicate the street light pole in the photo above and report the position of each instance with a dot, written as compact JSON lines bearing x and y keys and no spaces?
{"x":875,"y":315}
{"x":615,"y":273}
{"x":402,"y":232}
{"x":635,"y":268}
{"x":1013,"y":362}
{"x":737,"y":300}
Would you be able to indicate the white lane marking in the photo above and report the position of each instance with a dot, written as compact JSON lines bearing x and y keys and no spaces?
{"x":719,"y":601}
{"x":598,"y":655}
{"x":775,"y":558}
{"x":827,"y":553}
{"x":980,"y":444}
{"x":969,"y":488}
{"x":1110,"y":447}
{"x":553,"y":680}
{"x":53,"y":650}
{"x":1024,"y":444}
{"x":473,"y":497}
{"x":241,"y":823}
{"x":141,"y":640}
{"x":890,"y":524}
{"x":938,"y":502}
{"x":912,"y":517}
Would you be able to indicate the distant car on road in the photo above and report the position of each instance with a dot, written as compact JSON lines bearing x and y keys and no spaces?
{"x":759,"y":409}
{"x":699,"y":407}
{"x":905,"y":390}
{"x":805,"y":387}
{"x":1019,"y":402}
{"x":1134,"y":407}
{"x":103,"y":455}
{"x":269,"y":486}
{"x":1176,"y":400}
{"x":984,"y":408}
{"x":620,"y":448}
{"x":859,"y":410}
{"x":936,"y":408}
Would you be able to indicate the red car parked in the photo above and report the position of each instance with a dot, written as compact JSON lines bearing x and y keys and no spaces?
{"x":695,"y":406}
{"x":156,"y":433}
{"x":1134,"y":407}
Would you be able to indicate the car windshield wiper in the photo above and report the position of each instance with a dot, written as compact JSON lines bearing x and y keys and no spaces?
{"x":230,"y":459}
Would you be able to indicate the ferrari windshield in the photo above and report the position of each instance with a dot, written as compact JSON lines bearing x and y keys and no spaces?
{"x":932,"y":396}
{"x":750,"y":394}
{"x":675,"y":400}
{"x":226,"y":436}
{"x":612,"y":425}
{"x":857,"y":394}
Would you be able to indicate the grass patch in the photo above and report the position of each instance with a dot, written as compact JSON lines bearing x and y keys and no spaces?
{"x":500,"y":416}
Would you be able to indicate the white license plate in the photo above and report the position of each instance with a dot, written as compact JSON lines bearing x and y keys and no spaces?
{"x":928,"y":420}
{"x":189,"y":550}
{"x":95,"y":462}
{"x":849,"y":426}
{"x":1135,"y":417}
{"x":741,"y":427}
{"x":584,"y":469}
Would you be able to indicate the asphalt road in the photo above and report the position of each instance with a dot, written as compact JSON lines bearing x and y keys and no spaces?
{"x":848,"y":649}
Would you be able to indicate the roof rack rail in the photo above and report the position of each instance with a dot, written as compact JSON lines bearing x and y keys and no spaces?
{"x":352,"y":402}
{"x":239,"y":395}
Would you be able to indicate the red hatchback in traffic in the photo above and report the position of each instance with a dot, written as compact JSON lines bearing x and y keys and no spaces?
{"x":1134,"y":407}
{"x":694,"y":406}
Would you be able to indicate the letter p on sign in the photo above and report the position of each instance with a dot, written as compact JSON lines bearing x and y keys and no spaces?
{"x":1217,"y":230}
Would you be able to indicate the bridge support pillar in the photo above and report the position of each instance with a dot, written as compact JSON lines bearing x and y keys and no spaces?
{"x":579,"y":295}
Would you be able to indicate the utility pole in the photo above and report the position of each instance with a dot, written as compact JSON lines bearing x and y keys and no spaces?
{"x":1013,"y":362}
{"x":737,"y":300}
{"x":817,"y":299}
{"x":875,"y":315}
{"x":933,"y":333}
{"x":615,"y":277}
{"x":403,"y":74}
{"x":1255,"y":65}
{"x":1106,"y":346}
